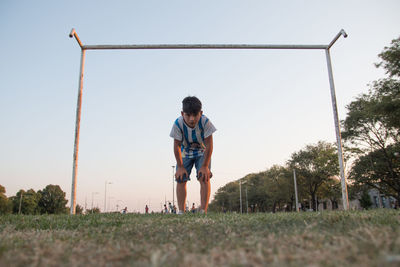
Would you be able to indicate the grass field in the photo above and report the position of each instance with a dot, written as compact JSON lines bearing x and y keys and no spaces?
{"x":368,"y":238}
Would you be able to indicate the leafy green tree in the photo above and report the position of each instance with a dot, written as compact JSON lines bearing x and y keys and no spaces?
{"x":226,"y":198}
{"x":331,"y":189}
{"x":271,"y":190}
{"x":315,"y":165}
{"x":5,"y":204}
{"x":391,"y":59}
{"x":78,"y":209}
{"x":94,"y":210}
{"x":365,"y":200}
{"x":372,"y":129}
{"x":387,"y":91}
{"x":258,"y":193}
{"x":52,"y":200}
{"x":28,"y":200}
{"x":379,"y":169}
{"x":280,"y":187}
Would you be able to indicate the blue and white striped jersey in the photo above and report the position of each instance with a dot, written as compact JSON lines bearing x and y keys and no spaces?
{"x":192,"y":138}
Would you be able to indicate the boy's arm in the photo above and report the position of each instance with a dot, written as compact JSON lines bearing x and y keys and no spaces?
{"x":204,"y":171}
{"x":179,"y":162}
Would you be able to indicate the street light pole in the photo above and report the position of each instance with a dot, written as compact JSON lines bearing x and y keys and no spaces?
{"x":118,"y":200}
{"x":105,"y":195}
{"x":295,"y":190}
{"x":20,"y":202}
{"x":240,"y":190}
{"x":109,"y":203}
{"x":247,"y":202}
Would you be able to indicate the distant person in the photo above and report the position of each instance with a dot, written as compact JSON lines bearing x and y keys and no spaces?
{"x":171,"y":209}
{"x":165,"y":209}
{"x":193,"y":209}
{"x":193,"y":145}
{"x":125,"y":210}
{"x":146,"y":209}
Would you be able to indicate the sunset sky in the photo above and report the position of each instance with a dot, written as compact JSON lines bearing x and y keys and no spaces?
{"x":265,"y":104}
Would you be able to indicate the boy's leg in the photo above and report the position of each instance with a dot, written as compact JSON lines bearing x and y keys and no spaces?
{"x":181,"y":195}
{"x":181,"y":185}
{"x":205,"y":186}
{"x":205,"y":190}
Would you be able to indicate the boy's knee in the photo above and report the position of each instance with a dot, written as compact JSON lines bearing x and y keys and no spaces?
{"x":202,"y":182}
{"x":181,"y":184}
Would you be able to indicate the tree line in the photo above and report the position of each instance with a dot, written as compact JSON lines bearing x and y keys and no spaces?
{"x":371,"y":141}
{"x":49,"y":200}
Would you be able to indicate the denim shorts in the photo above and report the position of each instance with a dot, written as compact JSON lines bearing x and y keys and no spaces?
{"x":188,"y":164}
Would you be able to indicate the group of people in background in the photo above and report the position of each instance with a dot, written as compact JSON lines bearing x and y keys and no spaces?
{"x":172,"y":209}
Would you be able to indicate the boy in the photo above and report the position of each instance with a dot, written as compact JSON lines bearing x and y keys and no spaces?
{"x":193,"y":145}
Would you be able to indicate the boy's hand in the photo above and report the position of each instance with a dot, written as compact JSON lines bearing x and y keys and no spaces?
{"x":204,"y":173}
{"x":180,"y":173}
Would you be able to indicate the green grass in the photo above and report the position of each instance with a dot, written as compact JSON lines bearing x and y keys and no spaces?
{"x":368,"y":238}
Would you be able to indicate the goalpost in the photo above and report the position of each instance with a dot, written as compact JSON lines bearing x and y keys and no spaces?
{"x":327,"y":47}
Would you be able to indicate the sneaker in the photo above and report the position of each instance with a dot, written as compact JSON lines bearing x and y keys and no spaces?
{"x":180,"y":212}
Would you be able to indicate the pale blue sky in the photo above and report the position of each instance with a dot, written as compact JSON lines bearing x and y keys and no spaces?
{"x":265,"y":104}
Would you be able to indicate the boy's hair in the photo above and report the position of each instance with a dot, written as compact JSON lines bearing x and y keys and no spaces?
{"x":191,"y":105}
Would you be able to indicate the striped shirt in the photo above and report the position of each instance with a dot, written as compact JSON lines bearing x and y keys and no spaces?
{"x":192,"y":138}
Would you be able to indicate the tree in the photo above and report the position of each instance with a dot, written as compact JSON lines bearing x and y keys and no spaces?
{"x":52,"y":200}
{"x":78,"y":209}
{"x":5,"y":204}
{"x":379,"y":169}
{"x":373,"y":118}
{"x":391,"y":59}
{"x":388,"y":90}
{"x":280,"y":187}
{"x":28,"y":201}
{"x":331,"y":189}
{"x":94,"y":210}
{"x":365,"y":200}
{"x":270,"y":190}
{"x":226,"y":198}
{"x":372,"y":128}
{"x":314,"y":165}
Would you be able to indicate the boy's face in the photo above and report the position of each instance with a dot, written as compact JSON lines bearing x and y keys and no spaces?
{"x":191,"y":119}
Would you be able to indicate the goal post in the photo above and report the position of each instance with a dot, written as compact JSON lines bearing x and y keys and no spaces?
{"x":326,"y":48}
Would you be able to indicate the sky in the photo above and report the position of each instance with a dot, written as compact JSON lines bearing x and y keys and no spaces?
{"x":265,"y":104}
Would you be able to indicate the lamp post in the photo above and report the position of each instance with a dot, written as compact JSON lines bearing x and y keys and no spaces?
{"x":295,"y":190}
{"x":105,"y":195}
{"x":109,"y":203}
{"x":240,"y":190}
{"x":247,"y":202}
{"x":173,"y":186}
{"x":117,"y":204}
{"x":20,"y":202}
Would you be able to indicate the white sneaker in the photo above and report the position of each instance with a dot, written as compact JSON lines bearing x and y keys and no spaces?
{"x":180,"y":212}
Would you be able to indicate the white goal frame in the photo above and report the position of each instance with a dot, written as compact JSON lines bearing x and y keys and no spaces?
{"x":327,"y":47}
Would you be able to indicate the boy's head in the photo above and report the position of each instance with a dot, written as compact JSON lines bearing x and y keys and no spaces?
{"x":191,"y":110}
